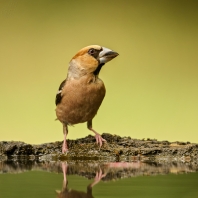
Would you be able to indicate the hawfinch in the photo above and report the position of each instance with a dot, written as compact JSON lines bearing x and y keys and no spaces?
{"x":81,"y":94}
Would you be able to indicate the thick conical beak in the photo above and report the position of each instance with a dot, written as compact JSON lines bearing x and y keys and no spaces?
{"x":106,"y":55}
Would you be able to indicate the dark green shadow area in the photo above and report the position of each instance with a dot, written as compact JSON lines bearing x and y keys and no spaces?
{"x":43,"y":184}
{"x":161,"y":186}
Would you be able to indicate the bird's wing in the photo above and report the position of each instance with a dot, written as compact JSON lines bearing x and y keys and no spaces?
{"x":59,"y":95}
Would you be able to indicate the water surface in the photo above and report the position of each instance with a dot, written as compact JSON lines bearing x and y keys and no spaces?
{"x":97,"y":179}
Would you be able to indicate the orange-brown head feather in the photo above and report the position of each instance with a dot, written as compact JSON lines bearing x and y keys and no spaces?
{"x":88,"y":59}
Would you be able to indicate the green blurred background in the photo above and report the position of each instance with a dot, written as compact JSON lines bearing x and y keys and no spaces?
{"x":152,"y":87}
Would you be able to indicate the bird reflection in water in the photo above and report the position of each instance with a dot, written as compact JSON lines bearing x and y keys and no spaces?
{"x":70,"y":193}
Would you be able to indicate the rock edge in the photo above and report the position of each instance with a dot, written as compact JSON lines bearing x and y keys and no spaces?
{"x":116,"y":149}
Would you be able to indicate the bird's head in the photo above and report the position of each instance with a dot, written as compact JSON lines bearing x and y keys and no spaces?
{"x":90,"y":59}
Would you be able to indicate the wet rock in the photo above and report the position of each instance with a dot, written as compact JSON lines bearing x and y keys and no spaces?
{"x":117,"y":148}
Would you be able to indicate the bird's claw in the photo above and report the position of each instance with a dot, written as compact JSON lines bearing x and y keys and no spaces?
{"x":99,"y":139}
{"x":64,"y":151}
{"x":99,"y":176}
{"x":64,"y":148}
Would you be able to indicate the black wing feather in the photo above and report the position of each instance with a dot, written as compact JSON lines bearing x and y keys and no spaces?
{"x":58,"y":95}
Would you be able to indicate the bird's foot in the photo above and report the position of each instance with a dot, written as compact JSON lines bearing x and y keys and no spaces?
{"x":99,"y":139}
{"x":98,"y":177}
{"x":64,"y":148}
{"x":64,"y":169}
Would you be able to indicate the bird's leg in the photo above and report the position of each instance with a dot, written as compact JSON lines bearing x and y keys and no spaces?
{"x":65,"y":131}
{"x":98,"y":137}
{"x":64,"y":169}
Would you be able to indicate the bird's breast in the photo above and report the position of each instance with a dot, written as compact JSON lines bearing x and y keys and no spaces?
{"x":81,"y":100}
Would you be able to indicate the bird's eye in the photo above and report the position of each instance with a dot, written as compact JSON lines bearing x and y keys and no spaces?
{"x":91,"y":51}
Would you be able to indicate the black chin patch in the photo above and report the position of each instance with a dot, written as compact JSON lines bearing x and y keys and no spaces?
{"x":97,"y":71}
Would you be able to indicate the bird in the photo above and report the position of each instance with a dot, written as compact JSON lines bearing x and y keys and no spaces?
{"x":80,"y":95}
{"x":68,"y":192}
